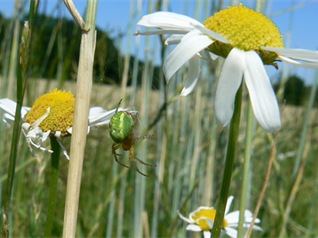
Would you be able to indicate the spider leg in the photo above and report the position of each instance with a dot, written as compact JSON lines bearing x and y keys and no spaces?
{"x":114,"y":148}
{"x":142,"y":162}
{"x":134,"y":165}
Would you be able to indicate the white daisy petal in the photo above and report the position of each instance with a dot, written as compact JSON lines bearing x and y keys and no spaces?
{"x":174,"y":39}
{"x":168,"y":20}
{"x":229,"y":82}
{"x":231,"y":232}
{"x":294,"y":62}
{"x":261,"y":93}
{"x":7,"y":118}
{"x":184,"y":218}
{"x":297,"y":54}
{"x":206,"y":234}
{"x":9,"y":107}
{"x":192,"y":77}
{"x":257,"y":228}
{"x":59,"y":140}
{"x":228,"y":204}
{"x":232,"y":217}
{"x":190,"y":45}
{"x":210,"y":33}
{"x":193,"y":227}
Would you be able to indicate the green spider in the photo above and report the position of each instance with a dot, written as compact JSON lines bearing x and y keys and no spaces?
{"x":121,"y":128}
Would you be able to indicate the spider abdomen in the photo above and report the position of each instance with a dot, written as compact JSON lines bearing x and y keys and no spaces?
{"x":120,"y":126}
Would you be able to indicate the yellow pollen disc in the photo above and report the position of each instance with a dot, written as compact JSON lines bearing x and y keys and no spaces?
{"x":245,"y":29}
{"x":61,"y":105}
{"x":207,"y":213}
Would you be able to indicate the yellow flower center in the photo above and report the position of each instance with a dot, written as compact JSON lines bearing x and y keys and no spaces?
{"x":207,"y":213}
{"x":61,"y":105}
{"x":246,"y":30}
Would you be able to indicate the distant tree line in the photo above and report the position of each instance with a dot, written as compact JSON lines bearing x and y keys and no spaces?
{"x":56,"y":45}
{"x":55,"y":53}
{"x":295,"y":92}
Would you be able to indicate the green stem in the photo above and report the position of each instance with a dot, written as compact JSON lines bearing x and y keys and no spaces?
{"x":247,"y":159}
{"x":55,"y":158}
{"x":230,"y":155}
{"x":21,"y":83}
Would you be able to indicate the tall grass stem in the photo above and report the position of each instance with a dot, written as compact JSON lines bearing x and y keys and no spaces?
{"x":246,"y":172}
{"x":82,"y":103}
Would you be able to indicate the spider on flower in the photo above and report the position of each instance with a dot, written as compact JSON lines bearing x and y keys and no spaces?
{"x":121,"y":128}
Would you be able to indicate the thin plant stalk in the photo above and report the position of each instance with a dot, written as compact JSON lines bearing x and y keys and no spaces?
{"x":55,"y":158}
{"x":79,"y":133}
{"x":21,"y":84}
{"x":261,"y":196}
{"x":229,"y":162}
{"x":246,"y":172}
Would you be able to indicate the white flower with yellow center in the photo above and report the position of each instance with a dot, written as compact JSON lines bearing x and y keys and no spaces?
{"x":247,"y":39}
{"x":52,"y":115}
{"x":202,"y":219}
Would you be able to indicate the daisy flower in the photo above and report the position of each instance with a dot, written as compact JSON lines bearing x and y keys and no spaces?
{"x":202,"y":219}
{"x":247,"y":39}
{"x":52,"y":115}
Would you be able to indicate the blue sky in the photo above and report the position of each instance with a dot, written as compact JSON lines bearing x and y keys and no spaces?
{"x":115,"y":15}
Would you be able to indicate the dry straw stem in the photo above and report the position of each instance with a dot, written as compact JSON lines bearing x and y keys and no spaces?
{"x":77,"y":17}
{"x":83,"y":93}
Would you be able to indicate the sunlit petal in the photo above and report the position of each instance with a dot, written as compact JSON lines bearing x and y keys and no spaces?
{"x":229,"y":82}
{"x":168,"y":20}
{"x":190,"y":45}
{"x":261,"y":93}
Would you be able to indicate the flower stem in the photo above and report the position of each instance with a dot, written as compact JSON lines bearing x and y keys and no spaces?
{"x":55,"y":158}
{"x":230,"y":155}
{"x":246,"y":173}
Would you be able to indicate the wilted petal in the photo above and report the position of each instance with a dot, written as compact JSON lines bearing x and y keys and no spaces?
{"x":261,"y":93}
{"x":229,"y":82}
{"x":192,"y":77}
{"x":184,"y":218}
{"x":191,"y":44}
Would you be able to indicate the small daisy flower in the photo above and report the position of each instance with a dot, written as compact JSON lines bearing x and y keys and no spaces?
{"x":202,"y":219}
{"x":247,"y":39}
{"x":52,"y":115}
